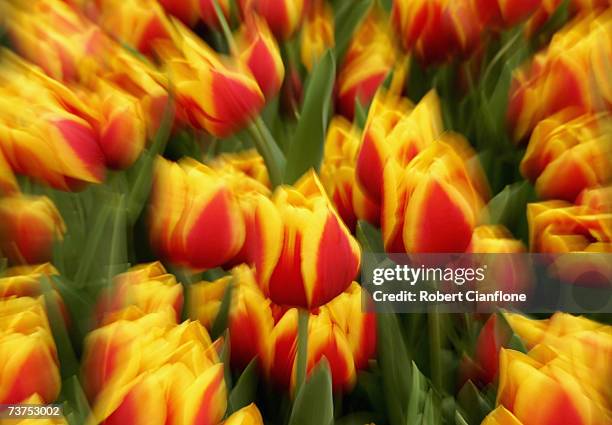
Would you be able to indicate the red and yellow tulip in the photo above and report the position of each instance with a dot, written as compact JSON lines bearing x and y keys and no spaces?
{"x":284,"y":17}
{"x":428,"y":200}
{"x":501,"y":14}
{"x":29,"y":226}
{"x":338,"y":330}
{"x":436,"y":31}
{"x":317,"y":33}
{"x":190,"y":11}
{"x":258,"y":49}
{"x":146,"y":286}
{"x":29,"y":358}
{"x":194,"y":217}
{"x":302,"y":252}
{"x":369,"y":58}
{"x":560,"y":227}
{"x":568,"y":153}
{"x":338,"y":175}
{"x":571,"y":72}
{"x":217,"y":95}
{"x":395,"y":129}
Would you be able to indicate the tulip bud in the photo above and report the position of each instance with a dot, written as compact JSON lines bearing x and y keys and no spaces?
{"x":194,"y":217}
{"x":501,"y":416}
{"x":190,"y":11}
{"x":339,"y":331}
{"x":368,"y":60}
{"x":138,"y":23}
{"x":567,"y":154}
{"x":295,"y":260}
{"x":248,"y":163}
{"x":559,"y":227}
{"x":146,"y":286}
{"x":258,"y":49}
{"x":248,"y":415}
{"x":338,"y":175}
{"x":596,"y":199}
{"x":218,"y":96}
{"x":546,"y":376}
{"x":425,"y":200}
{"x":317,"y":33}
{"x":250,"y":317}
{"x":28,"y":228}
{"x":122,"y":130}
{"x":29,"y":365}
{"x":570,"y":73}
{"x":393,"y":129}
{"x":283,"y":16}
{"x":435,"y":31}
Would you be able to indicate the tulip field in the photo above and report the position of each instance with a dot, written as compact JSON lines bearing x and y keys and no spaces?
{"x":189,"y":191}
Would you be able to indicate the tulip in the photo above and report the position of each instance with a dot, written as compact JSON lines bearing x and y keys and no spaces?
{"x":571,"y":72}
{"x":122,"y":130}
{"x":250,"y":316}
{"x":505,"y":14}
{"x":139,"y":23}
{"x":302,"y":252}
{"x":190,"y":11}
{"x":547,"y":8}
{"x":248,"y":415}
{"x":49,"y":33}
{"x":338,"y":175}
{"x":501,"y":416}
{"x":283,"y":16}
{"x":393,"y":128}
{"x":559,"y":227}
{"x":369,"y":58}
{"x":435,"y":31}
{"x":492,"y":337}
{"x":596,"y":199}
{"x":247,"y":163}
{"x":50,"y":145}
{"x":151,"y":362}
{"x":146,"y":286}
{"x":216,"y":96}
{"x":258,"y":49}
{"x":430,"y":199}
{"x":194,"y":216}
{"x":29,"y":365}
{"x":338,"y":330}
{"x":317,"y":33}
{"x":548,"y":377}
{"x":567,"y":154}
{"x":28,"y":227}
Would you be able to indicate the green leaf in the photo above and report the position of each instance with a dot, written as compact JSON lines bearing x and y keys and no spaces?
{"x":369,"y":238}
{"x":314,"y":404}
{"x":508,"y":208}
{"x":473,"y":405}
{"x":245,"y":389}
{"x":416,"y":396}
{"x":357,"y":418}
{"x":393,"y":359}
{"x":221,"y":321}
{"x":302,"y":344}
{"x":347,"y":18}
{"x":306,"y":150}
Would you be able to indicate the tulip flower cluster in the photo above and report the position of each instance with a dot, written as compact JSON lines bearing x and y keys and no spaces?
{"x":144,"y":368}
{"x":567,"y":369}
{"x":427,"y":183}
{"x":30,"y":367}
{"x":262,"y":329}
{"x":338,"y":175}
{"x":573,"y":72}
{"x":317,"y":33}
{"x":203,"y":218}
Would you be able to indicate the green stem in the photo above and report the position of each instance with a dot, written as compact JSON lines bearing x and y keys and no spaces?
{"x":433,"y":320}
{"x":227,"y":32}
{"x":302,"y":354}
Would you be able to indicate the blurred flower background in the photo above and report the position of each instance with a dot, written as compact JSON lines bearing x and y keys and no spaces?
{"x":187,"y":188}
